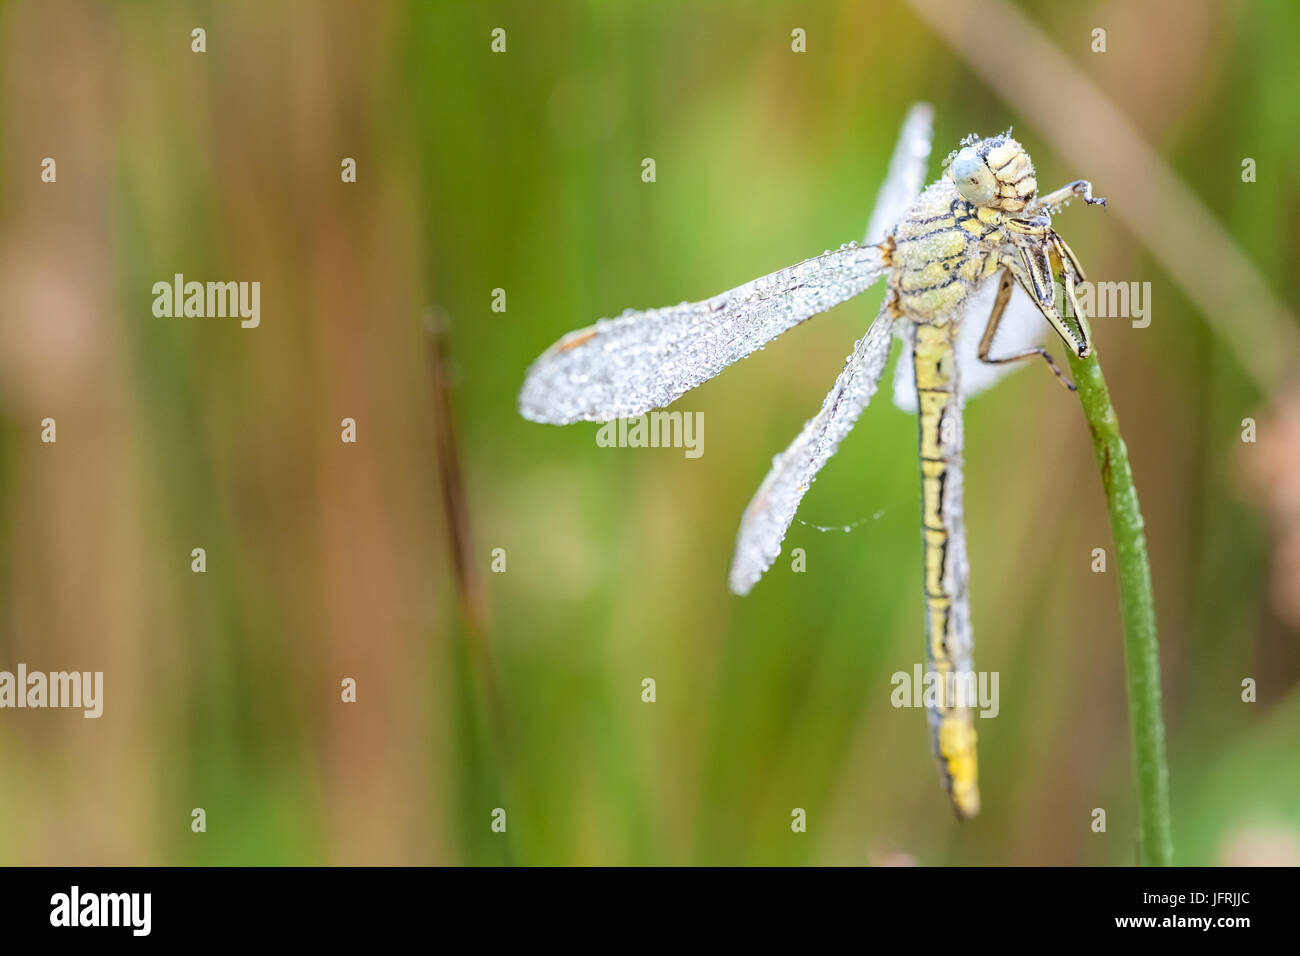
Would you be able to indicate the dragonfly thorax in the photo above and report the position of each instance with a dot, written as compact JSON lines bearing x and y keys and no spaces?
{"x":944,"y":246}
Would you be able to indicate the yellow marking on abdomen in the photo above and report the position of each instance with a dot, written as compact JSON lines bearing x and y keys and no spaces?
{"x":933,"y":475}
{"x":957,"y":749}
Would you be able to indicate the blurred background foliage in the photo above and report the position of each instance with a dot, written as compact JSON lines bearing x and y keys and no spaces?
{"x":521,"y":171}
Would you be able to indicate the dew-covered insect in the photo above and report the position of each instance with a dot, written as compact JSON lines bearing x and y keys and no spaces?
{"x":976,"y":243}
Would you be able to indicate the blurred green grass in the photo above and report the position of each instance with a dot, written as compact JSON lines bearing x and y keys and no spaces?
{"x":522,"y":171}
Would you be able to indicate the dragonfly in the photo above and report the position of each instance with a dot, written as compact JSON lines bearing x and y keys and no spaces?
{"x":977,"y":244}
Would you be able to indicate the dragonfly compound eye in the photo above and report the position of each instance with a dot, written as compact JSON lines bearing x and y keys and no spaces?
{"x":973,"y":179}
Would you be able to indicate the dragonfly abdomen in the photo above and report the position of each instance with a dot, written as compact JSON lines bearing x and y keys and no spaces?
{"x":947,"y":602}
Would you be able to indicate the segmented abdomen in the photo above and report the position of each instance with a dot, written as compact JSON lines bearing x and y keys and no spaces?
{"x":947,"y":603}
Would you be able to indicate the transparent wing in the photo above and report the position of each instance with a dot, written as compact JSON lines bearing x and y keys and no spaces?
{"x":907,"y":171}
{"x":1022,"y":326}
{"x":766,"y":520}
{"x":624,"y":367}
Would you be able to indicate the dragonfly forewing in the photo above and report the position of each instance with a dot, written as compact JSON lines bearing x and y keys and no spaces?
{"x":623,"y":367}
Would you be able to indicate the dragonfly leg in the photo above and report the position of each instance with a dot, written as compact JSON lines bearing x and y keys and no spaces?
{"x":1078,"y":188}
{"x":1066,"y":252}
{"x":1037,"y":268}
{"x":991,"y":330}
{"x":1038,"y":226}
{"x":1066,"y":264}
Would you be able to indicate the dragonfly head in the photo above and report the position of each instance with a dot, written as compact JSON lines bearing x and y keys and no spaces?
{"x":996,"y":173}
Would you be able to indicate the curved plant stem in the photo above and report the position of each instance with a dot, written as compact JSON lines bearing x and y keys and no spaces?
{"x":1141,"y":652}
